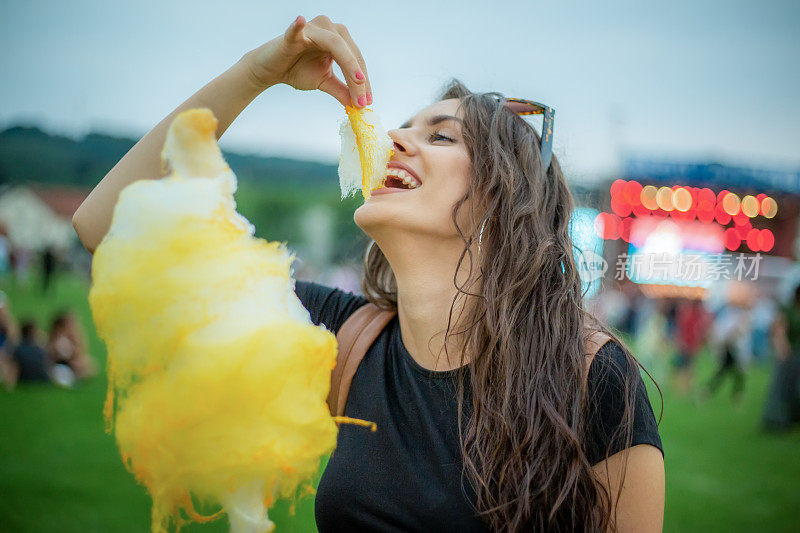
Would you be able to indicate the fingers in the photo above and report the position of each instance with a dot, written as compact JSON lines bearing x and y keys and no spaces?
{"x":334,"y":87}
{"x":342,"y":30}
{"x":333,"y":43}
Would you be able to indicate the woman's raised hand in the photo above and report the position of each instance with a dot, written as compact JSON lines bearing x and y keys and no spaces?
{"x":303,"y":58}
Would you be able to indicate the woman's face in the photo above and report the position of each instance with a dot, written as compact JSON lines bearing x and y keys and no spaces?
{"x":431,"y":144}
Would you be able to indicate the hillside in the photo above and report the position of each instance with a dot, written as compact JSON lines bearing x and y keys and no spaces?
{"x":29,"y":154}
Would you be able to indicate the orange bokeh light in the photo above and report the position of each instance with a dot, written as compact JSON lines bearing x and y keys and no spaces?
{"x":750,"y":206}
{"x":730,"y":203}
{"x":648,"y":197}
{"x":682,"y":199}
{"x":769,"y":207}
{"x":664,"y":199}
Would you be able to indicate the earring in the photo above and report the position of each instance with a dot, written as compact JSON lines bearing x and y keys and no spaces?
{"x":480,"y":234}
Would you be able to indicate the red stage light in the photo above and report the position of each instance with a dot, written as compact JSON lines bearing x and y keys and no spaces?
{"x":606,"y":225}
{"x":706,"y":216}
{"x":721,"y":216}
{"x":706,"y":195}
{"x":620,"y":207}
{"x":754,"y":239}
{"x":767,"y":240}
{"x":617,"y":188}
{"x":625,"y":229}
{"x":743,"y":231}
{"x":632,"y":193}
{"x":740,"y":218}
{"x":732,"y":240}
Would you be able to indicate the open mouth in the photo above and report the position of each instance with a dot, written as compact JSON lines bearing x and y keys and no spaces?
{"x":394,"y":182}
{"x":397,"y":178}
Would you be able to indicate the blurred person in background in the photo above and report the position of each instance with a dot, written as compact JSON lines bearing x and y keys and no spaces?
{"x":782,"y":408}
{"x":20,"y":261}
{"x":610,"y":305}
{"x":670,"y":310}
{"x":67,"y":350}
{"x":764,"y":314}
{"x":30,"y":357}
{"x":731,"y":342}
{"x":634,"y":298}
{"x":653,"y":344}
{"x":5,"y":250}
{"x":49,"y":265}
{"x":693,"y":323}
{"x":9,"y":337}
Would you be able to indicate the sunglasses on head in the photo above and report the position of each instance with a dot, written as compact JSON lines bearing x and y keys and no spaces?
{"x":529,"y":107}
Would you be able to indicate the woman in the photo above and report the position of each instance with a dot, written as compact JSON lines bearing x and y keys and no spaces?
{"x":478,"y":382}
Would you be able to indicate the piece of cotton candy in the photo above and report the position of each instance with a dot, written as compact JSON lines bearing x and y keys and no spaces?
{"x":366,"y":149}
{"x":217,"y":377}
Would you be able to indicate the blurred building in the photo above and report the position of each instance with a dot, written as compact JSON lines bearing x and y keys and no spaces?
{"x":40,"y":216}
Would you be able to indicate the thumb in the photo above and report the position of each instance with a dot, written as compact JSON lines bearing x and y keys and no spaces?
{"x":334,"y":87}
{"x":295,"y":30}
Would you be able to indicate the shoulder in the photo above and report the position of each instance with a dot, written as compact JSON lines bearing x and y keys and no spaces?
{"x":329,"y":306}
{"x":618,"y":406}
{"x":610,"y":358}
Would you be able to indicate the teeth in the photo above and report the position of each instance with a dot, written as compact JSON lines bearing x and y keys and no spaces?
{"x":405,"y":176}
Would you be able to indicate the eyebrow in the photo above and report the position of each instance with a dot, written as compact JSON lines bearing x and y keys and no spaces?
{"x":434,"y":120}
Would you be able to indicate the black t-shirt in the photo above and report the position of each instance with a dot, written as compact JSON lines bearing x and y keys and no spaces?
{"x":407,"y":475}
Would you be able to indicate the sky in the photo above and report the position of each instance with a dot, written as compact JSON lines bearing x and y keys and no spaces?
{"x":682,"y":80}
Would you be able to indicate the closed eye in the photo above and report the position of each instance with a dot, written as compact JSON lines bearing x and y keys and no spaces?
{"x":436,"y":136}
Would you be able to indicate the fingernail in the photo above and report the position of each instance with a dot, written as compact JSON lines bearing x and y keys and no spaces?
{"x":369,"y":98}
{"x":362,"y":101}
{"x":359,"y":75}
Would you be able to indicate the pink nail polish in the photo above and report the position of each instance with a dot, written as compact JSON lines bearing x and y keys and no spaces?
{"x":359,"y":75}
{"x":362,"y":101}
{"x":369,"y":98}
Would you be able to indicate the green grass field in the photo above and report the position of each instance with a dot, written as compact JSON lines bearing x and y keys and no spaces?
{"x":59,"y":471}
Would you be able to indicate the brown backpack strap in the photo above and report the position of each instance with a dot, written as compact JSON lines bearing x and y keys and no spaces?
{"x":354,"y":338}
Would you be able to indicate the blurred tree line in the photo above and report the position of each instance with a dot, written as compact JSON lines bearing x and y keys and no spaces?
{"x":275,"y":193}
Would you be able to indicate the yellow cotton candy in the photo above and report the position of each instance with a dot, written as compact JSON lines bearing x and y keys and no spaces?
{"x":217,"y":377}
{"x":365,"y":152}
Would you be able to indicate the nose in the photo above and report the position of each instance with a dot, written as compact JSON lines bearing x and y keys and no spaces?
{"x":400,"y":143}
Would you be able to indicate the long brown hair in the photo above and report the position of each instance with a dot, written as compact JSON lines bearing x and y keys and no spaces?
{"x":522,"y":438}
